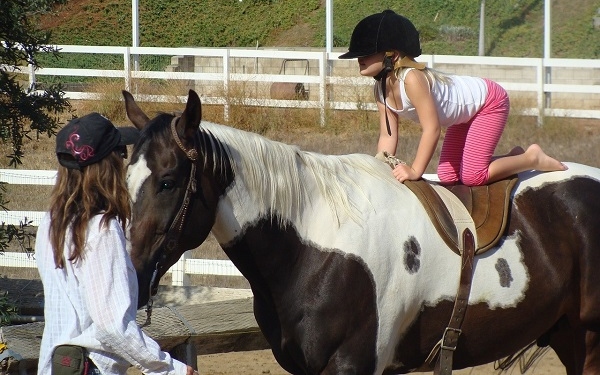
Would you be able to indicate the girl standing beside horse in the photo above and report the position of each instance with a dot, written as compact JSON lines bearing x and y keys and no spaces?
{"x":90,"y":285}
{"x":472,"y":109}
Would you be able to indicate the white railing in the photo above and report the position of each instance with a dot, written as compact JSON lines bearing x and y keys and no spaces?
{"x":539,"y":77}
{"x":180,"y":271}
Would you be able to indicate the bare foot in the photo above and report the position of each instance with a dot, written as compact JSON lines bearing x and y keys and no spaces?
{"x":543,"y":162}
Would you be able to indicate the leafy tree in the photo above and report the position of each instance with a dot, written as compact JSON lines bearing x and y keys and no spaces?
{"x":24,"y":109}
{"x":7,"y":310}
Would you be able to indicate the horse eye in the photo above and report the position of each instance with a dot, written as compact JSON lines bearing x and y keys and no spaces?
{"x":167,"y":185}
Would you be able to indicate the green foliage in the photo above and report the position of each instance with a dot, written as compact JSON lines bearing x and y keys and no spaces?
{"x":7,"y":310}
{"x":8,"y":232}
{"x":25,"y":111}
{"x":208,"y":23}
{"x":512,"y":27}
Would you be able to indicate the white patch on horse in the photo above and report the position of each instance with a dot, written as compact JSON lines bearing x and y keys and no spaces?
{"x":136,"y":175}
{"x":487,"y":287}
{"x":535,"y":179}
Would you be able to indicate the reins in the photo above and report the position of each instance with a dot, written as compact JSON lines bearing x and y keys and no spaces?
{"x":176,"y":227}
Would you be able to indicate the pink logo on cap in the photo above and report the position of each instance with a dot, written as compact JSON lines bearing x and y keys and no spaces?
{"x":83,"y":152}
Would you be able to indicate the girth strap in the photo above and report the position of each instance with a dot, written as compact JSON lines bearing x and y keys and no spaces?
{"x":447,"y":345}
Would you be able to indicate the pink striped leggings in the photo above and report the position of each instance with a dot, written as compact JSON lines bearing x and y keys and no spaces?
{"x":468,"y":148}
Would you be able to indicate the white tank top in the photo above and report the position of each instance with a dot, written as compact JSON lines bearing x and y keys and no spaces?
{"x":456,"y":101}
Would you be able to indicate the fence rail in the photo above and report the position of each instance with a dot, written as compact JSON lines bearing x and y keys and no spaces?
{"x":556,"y":87}
{"x":180,"y":271}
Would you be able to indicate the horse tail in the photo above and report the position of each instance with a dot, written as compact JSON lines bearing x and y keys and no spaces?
{"x":526,"y":357}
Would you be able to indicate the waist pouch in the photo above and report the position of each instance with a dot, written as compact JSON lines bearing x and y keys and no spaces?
{"x":69,"y":360}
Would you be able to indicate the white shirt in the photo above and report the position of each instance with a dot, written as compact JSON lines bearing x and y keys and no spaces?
{"x":93,"y":303}
{"x":456,"y":102}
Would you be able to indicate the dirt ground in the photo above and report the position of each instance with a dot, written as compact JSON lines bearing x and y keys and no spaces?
{"x":262,"y":362}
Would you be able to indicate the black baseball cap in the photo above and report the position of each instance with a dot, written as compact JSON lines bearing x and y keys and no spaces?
{"x":383,"y":31}
{"x":88,"y":139}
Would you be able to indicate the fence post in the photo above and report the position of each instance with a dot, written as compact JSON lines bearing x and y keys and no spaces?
{"x":186,"y":353}
{"x":179,"y":275}
{"x":323,"y":85}
{"x":32,"y":77}
{"x":127,"y":68}
{"x":540,"y":94}
{"x":226,"y":74}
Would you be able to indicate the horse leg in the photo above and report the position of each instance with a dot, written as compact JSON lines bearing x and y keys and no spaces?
{"x":592,"y":355}
{"x":569,"y":345}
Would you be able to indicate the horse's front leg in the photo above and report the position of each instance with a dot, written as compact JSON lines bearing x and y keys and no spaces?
{"x":568,"y":344}
{"x":592,"y":354}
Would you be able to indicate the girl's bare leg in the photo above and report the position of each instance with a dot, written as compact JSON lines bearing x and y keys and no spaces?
{"x":517,"y":150}
{"x":533,"y":158}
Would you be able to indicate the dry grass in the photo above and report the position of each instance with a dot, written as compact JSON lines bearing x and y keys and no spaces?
{"x":346,"y":132}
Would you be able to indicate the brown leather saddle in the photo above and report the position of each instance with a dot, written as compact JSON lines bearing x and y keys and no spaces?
{"x":489,"y":206}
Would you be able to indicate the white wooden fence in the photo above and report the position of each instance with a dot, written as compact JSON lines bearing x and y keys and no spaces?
{"x":555,"y":87}
{"x":180,"y":271}
{"x":577,"y":79}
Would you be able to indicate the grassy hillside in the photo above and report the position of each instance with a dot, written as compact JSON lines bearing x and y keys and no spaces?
{"x":513,"y":27}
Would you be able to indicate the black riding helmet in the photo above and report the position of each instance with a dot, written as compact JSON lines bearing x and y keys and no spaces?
{"x":383,"y":31}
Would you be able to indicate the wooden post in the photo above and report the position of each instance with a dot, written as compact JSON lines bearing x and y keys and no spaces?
{"x":186,"y":353}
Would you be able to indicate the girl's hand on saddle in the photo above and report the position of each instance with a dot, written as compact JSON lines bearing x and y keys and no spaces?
{"x":191,"y":371}
{"x":404,"y":172}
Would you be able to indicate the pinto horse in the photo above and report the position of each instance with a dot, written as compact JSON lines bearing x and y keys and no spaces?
{"x":348,"y":273}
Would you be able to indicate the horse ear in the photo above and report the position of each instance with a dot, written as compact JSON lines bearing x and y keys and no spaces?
{"x":134,"y":112}
{"x":192,"y":115}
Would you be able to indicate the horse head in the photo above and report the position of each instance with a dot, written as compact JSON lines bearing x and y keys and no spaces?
{"x":174,"y":195}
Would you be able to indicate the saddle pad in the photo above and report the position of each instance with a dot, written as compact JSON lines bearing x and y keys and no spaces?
{"x":460,"y":216}
{"x":488,"y":206}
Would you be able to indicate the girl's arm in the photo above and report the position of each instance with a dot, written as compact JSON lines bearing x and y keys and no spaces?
{"x":419,"y":93}
{"x":110,"y":291}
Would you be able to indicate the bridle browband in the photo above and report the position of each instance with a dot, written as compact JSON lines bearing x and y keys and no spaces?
{"x":176,"y":227}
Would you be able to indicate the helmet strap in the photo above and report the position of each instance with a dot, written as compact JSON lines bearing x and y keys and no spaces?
{"x":388,"y":66}
{"x":382,"y":77}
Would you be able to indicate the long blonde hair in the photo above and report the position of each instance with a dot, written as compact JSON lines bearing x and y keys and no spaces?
{"x":405,"y":62}
{"x":433,"y":75}
{"x":78,"y":196}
